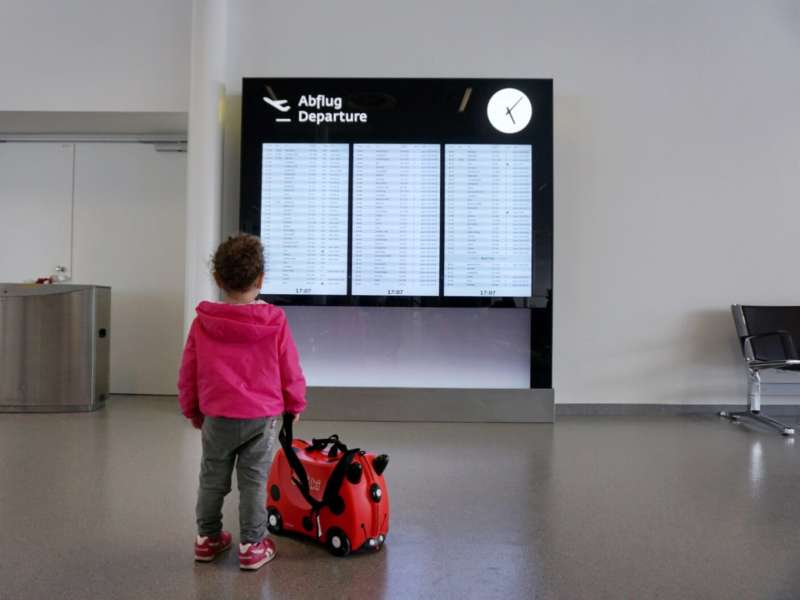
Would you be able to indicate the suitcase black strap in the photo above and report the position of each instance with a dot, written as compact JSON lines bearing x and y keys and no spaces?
{"x":300,"y":477}
{"x":330,"y":496}
{"x":322,"y":443}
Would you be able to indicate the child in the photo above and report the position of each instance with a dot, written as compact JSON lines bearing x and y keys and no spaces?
{"x":240,"y":371}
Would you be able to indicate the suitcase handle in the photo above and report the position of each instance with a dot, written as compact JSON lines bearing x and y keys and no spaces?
{"x":331,"y":493}
{"x":333,"y":440}
{"x":300,"y":477}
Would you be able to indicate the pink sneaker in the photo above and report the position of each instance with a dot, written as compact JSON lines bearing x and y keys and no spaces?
{"x":206,"y":548}
{"x":255,"y":556}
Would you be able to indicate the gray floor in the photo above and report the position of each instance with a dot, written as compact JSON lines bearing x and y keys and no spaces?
{"x":100,"y":506}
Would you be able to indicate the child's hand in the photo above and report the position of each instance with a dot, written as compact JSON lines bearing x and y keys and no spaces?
{"x":296,"y":419}
{"x":197,"y":421}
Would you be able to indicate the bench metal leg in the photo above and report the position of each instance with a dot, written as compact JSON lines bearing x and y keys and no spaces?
{"x":754,"y":392}
{"x":763,"y":419}
{"x":754,"y":408}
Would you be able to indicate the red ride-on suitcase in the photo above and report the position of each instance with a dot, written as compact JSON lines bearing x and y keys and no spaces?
{"x":338,"y":497}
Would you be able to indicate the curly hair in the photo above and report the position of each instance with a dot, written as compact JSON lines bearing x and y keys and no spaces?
{"x":238,"y":262}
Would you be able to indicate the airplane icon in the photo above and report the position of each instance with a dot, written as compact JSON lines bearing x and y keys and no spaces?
{"x":281,"y":105}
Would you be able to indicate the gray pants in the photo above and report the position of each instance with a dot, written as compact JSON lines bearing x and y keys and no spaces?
{"x":248,"y":443}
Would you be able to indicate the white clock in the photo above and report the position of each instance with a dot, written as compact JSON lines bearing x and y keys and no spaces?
{"x":509,"y":110}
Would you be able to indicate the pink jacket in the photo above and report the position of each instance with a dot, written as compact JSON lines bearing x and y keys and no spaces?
{"x":240,"y":362}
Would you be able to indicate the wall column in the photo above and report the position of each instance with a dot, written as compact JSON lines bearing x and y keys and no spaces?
{"x":204,"y":160}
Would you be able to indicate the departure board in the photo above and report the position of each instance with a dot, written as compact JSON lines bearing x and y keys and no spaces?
{"x":396,"y":199}
{"x":400,"y":192}
{"x":403,"y":193}
{"x":488,"y":220}
{"x":304,"y":218}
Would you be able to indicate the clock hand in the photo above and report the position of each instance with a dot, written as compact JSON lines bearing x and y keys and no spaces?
{"x":510,"y":116}
{"x":515,"y":103}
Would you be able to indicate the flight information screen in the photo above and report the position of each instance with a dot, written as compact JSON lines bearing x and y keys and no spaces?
{"x":304,"y":205}
{"x":396,"y":199}
{"x":488,"y":216}
{"x":400,"y":192}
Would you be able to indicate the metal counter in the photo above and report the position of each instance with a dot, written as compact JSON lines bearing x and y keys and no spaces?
{"x":54,"y":345}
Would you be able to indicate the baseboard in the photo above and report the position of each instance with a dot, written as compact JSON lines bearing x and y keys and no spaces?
{"x":450,"y":405}
{"x":442,"y":405}
{"x":50,"y":408}
{"x":655,"y":410}
{"x":780,"y":388}
{"x":484,"y":405}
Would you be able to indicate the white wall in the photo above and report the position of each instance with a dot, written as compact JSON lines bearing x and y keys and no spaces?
{"x":677,"y":159}
{"x":113,"y":214}
{"x":128,"y":232}
{"x":35,"y":210}
{"x":95,"y":55}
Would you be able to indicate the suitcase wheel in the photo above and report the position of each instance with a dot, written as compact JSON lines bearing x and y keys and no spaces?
{"x":374,"y":544}
{"x":274,"y":520}
{"x":338,"y":544}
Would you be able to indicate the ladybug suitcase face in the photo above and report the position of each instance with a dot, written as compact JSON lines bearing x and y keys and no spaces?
{"x":355,"y":518}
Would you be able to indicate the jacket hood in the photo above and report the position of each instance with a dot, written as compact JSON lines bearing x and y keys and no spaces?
{"x":239,"y":323}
